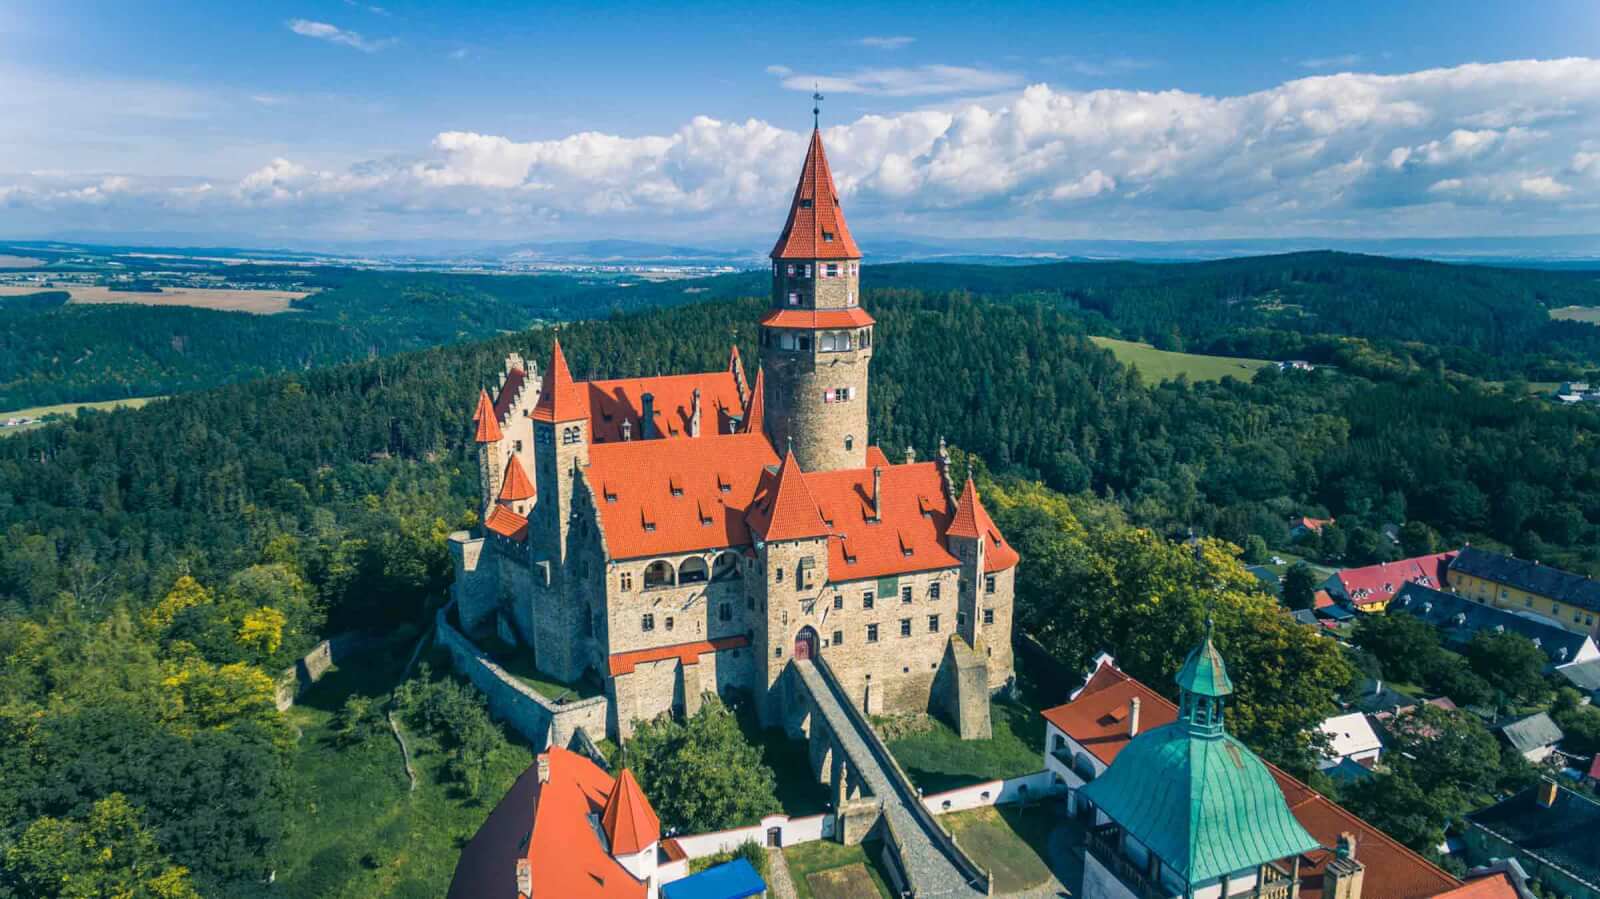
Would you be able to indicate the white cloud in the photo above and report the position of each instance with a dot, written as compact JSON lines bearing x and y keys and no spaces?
{"x":895,"y":42}
{"x":1344,"y":61}
{"x":918,"y":81}
{"x":333,"y":34}
{"x":1337,"y":154}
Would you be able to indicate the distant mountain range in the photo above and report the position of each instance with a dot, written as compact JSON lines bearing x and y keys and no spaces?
{"x":1575,"y":251}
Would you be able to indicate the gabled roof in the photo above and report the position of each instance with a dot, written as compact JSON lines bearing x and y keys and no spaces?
{"x":1098,"y":718}
{"x":972,"y":521}
{"x":755,"y":411}
{"x":784,"y":508}
{"x":516,"y":485}
{"x":612,"y":402}
{"x":1536,"y":731}
{"x":816,"y":228}
{"x":630,"y":823}
{"x":1561,"y":834}
{"x":908,"y":532}
{"x":1584,"y":675}
{"x":507,"y":523}
{"x":686,"y":653}
{"x":1459,"y":618}
{"x":1378,"y":583}
{"x":487,"y":421}
{"x":1541,"y":580}
{"x":560,"y":398}
{"x":509,"y":389}
{"x":550,"y":825}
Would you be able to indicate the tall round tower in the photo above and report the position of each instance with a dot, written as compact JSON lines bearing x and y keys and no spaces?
{"x":816,"y":341}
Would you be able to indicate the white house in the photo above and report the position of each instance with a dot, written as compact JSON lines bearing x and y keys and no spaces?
{"x":1350,"y":737}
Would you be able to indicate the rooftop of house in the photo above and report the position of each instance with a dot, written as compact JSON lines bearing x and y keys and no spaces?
{"x":1096,"y":718}
{"x":562,"y":827}
{"x":1536,"y":731}
{"x":1460,"y":618}
{"x":1584,"y":675}
{"x":1350,"y":734}
{"x":1522,"y":574}
{"x":1561,"y":832}
{"x":1377,"y":583}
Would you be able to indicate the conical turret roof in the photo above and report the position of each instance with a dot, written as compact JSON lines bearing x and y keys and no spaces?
{"x":560,"y":399}
{"x":630,"y":823}
{"x":484,"y":417}
{"x":516,"y":485}
{"x":1204,"y":673}
{"x":791,"y":512}
{"x":816,"y":228}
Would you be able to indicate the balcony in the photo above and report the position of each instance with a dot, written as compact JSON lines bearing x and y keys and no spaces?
{"x":1104,"y":843}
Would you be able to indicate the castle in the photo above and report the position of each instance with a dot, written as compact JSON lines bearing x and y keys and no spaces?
{"x":693,"y":533}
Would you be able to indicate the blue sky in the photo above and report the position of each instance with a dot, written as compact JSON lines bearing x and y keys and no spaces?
{"x":354,"y":120}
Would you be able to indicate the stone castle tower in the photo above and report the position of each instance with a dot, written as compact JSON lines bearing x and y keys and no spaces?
{"x":816,"y":341}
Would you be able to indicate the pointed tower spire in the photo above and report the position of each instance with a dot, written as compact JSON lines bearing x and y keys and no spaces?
{"x":971,"y":520}
{"x":792,"y":513}
{"x":816,"y":228}
{"x":488,"y":423}
{"x":1203,"y":681}
{"x":516,"y":486}
{"x":630,"y":823}
{"x":560,"y":398}
{"x":755,"y":411}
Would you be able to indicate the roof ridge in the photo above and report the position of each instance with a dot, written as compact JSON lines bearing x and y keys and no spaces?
{"x":794,"y":509}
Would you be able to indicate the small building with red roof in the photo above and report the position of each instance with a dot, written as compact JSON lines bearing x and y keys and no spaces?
{"x":1371,"y":587}
{"x":671,"y":536}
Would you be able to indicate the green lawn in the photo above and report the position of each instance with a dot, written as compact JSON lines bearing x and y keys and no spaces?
{"x":355,"y":830}
{"x":1162,"y":365}
{"x":518,"y":661}
{"x":62,"y":410}
{"x":819,"y":856}
{"x":1008,"y":841}
{"x":937,"y":759}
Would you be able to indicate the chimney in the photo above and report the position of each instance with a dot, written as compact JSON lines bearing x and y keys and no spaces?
{"x":911,"y":455}
{"x":1346,"y":847}
{"x":647,"y":425}
{"x":1547,"y":793}
{"x":524,"y":878}
{"x":694,"y":414}
{"x":544,"y":768}
{"x":1344,"y":876}
{"x":627,"y":430}
{"x":877,"y":493}
{"x":1133,"y":717}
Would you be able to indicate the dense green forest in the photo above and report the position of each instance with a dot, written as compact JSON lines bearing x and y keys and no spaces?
{"x":159,"y":563}
{"x":1362,"y":312}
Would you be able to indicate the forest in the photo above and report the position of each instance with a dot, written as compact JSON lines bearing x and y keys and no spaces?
{"x":161,"y":563}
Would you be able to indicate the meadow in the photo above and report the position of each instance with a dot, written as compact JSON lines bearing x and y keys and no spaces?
{"x":1163,"y":365}
{"x":259,"y":302}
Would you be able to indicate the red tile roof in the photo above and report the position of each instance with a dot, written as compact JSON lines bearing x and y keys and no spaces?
{"x":560,"y":398}
{"x":567,"y":859}
{"x":783,"y":508}
{"x":816,"y":228}
{"x":755,"y":411}
{"x":1321,"y":600}
{"x":1097,"y":720}
{"x":903,"y":539}
{"x":672,"y":402}
{"x":508,"y":392}
{"x":685,"y":653}
{"x":507,"y":523}
{"x":972,"y":521}
{"x":817,"y":318}
{"x":1594,"y":767}
{"x":1310,"y":524}
{"x":485,"y":418}
{"x":630,"y":823}
{"x":715,"y":479}
{"x":516,"y":485}
{"x":1495,"y":886}
{"x":1379,"y":583}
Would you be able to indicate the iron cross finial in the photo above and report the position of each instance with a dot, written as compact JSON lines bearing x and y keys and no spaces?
{"x":816,"y":105}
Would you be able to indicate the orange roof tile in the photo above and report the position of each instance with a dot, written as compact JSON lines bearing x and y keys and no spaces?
{"x":508,"y":392}
{"x":633,"y":483}
{"x":516,"y":485}
{"x":817,"y":318}
{"x":755,"y":411}
{"x":610,"y":403}
{"x":685,"y":653}
{"x":1092,"y":720}
{"x":784,"y":508}
{"x":816,"y":228}
{"x":1379,"y":583}
{"x":560,"y":398}
{"x":1493,"y":886}
{"x":973,"y":522}
{"x":869,"y":549}
{"x":567,"y":859}
{"x":630,"y":823}
{"x":507,"y":523}
{"x":484,"y":416}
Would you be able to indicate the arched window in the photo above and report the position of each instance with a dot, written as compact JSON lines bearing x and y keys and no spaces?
{"x":692,"y":571}
{"x":1083,"y":767}
{"x":658,"y":574}
{"x":726,"y":565}
{"x":849,"y":443}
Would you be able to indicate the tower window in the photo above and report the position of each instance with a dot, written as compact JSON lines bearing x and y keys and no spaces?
{"x":805,"y":343}
{"x":833,"y":270}
{"x":838,"y":638}
{"x":805,"y":204}
{"x":866,"y":600}
{"x":794,"y":298}
{"x":791,"y":270}
{"x":988,"y":616}
{"x":625,"y":581}
{"x":933,"y":590}
{"x":827,"y":237}
{"x":849,"y":443}
{"x":905,"y":627}
{"x":988,"y":583}
{"x":933,"y":624}
{"x":648,"y":622}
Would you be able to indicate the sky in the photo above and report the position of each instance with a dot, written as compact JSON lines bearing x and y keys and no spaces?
{"x":341,"y":120}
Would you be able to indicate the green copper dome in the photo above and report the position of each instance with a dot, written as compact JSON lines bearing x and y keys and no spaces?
{"x":1206,"y":805}
{"x":1204,"y":673}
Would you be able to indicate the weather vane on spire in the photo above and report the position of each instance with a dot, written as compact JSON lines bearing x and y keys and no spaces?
{"x":816,"y":105}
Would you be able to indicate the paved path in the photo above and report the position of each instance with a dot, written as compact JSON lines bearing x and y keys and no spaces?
{"x":779,"y":879}
{"x":933,"y":874}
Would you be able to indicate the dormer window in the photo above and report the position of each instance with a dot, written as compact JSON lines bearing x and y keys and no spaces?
{"x":827,"y":237}
{"x":805,"y":204}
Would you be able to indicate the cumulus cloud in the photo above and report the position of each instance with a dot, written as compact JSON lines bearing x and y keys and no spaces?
{"x":1471,"y":149}
{"x":333,"y":34}
{"x":916,"y":81}
{"x":895,"y":42}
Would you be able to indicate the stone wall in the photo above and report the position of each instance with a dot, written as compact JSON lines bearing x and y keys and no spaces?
{"x":795,"y":382}
{"x":537,"y":719}
{"x":475,"y":588}
{"x":894,"y":675}
{"x":296,"y":679}
{"x":677,"y":613}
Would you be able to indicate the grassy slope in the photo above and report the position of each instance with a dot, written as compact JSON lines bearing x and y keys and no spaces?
{"x":1589,"y":314}
{"x":70,"y":408}
{"x":1008,"y":841}
{"x":938,"y":759}
{"x":1161,"y":365}
{"x":356,"y":831}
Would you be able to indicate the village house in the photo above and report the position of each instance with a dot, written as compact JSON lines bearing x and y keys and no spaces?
{"x":1459,"y":619}
{"x":1550,"y":831}
{"x":1534,"y":737}
{"x":1570,"y":600}
{"x":1351,"y":738}
{"x":1371,"y":587}
{"x":1177,"y":807}
{"x":680,"y":535}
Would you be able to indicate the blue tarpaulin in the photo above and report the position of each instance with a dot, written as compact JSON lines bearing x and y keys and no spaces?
{"x":734,"y":880}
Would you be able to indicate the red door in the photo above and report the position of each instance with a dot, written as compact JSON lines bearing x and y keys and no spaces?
{"x":805,"y":644}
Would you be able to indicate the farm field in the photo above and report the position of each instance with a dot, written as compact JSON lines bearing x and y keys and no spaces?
{"x":259,"y":302}
{"x":1590,"y":314}
{"x":7,"y":261}
{"x":61,"y":410}
{"x":1163,"y":365}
